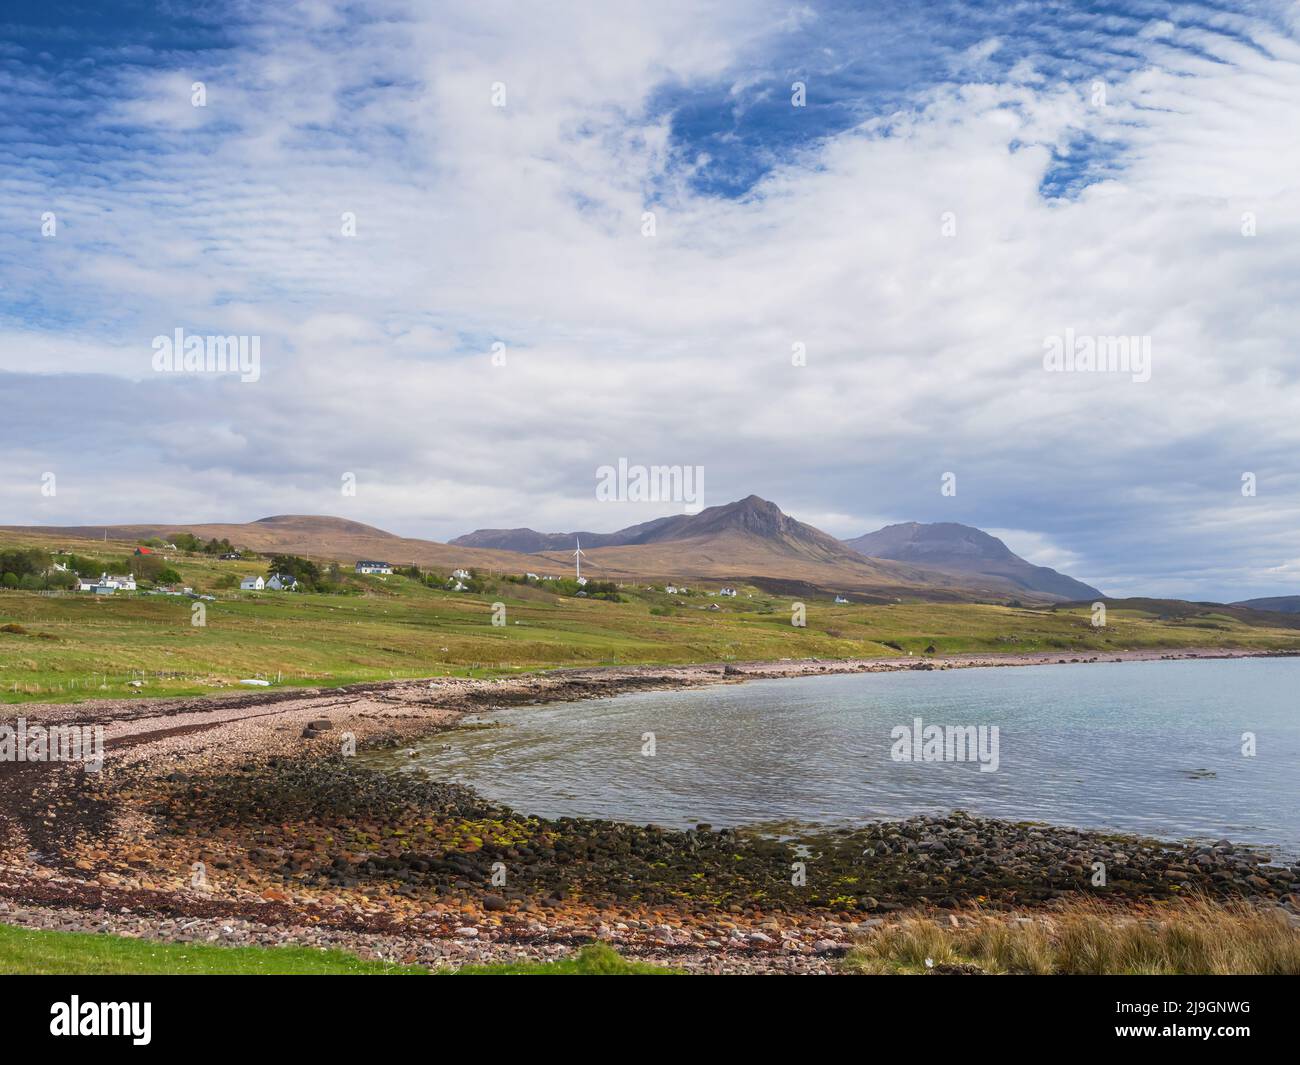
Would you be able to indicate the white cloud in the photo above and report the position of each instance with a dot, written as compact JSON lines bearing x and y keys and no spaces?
{"x":523,"y":224}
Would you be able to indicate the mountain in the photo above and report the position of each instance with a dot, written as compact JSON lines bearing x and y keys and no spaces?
{"x":529,"y":541}
{"x":750,"y":516}
{"x":961,"y":549}
{"x":1278,"y":604}
{"x":750,"y":539}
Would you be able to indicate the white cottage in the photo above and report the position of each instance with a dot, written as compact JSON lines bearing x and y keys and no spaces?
{"x":107,"y":584}
{"x":252,"y":584}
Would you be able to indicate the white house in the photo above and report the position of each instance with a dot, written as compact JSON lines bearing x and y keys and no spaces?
{"x":840,"y":599}
{"x":368,"y":566}
{"x":282,"y":582}
{"x":670,"y":589}
{"x":252,"y":584}
{"x":460,"y":574}
{"x":729,"y":592}
{"x":531,"y":577}
{"x":106,"y":585}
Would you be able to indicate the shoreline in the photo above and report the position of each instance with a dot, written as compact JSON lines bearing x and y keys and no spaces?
{"x":300,"y":845}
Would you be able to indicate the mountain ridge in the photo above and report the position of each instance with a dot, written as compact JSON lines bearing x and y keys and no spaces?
{"x":953,"y":547}
{"x":750,"y":539}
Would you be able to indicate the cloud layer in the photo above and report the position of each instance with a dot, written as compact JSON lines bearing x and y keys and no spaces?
{"x":958,"y":189}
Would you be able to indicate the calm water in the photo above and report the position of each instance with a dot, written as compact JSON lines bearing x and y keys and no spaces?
{"x":1151,"y":747}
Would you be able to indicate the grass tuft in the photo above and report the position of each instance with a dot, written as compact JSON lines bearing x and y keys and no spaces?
{"x":1193,"y":938}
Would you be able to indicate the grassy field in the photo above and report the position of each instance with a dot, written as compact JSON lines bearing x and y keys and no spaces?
{"x":40,"y":953}
{"x":67,"y":646}
{"x":1195,"y":938}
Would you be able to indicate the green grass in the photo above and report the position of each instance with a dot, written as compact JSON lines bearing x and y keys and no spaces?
{"x":41,"y":953}
{"x":68,"y":647}
{"x":597,"y":959}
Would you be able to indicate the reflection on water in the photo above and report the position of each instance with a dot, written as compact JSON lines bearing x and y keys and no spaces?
{"x":1149,"y":747}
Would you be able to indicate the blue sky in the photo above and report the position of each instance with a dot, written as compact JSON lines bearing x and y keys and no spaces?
{"x":953,"y":194}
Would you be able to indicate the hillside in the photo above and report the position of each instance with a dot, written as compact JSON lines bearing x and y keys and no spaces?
{"x":1277,"y":604}
{"x":311,"y":535}
{"x":964,"y":550}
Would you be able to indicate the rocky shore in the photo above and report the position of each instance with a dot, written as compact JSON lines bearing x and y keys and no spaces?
{"x":244,"y":820}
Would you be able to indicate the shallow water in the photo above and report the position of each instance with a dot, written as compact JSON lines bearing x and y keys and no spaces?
{"x":1147,"y":747}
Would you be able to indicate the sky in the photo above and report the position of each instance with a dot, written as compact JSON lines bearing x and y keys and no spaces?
{"x":921,"y":198}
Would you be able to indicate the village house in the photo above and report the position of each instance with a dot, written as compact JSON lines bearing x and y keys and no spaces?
{"x":370,"y":566}
{"x":729,"y":592}
{"x":840,"y":599}
{"x":106,"y":584}
{"x":230,"y":556}
{"x":252,"y":584}
{"x":282,"y":582}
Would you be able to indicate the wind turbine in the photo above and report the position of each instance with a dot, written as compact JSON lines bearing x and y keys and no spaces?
{"x":578,"y":556}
